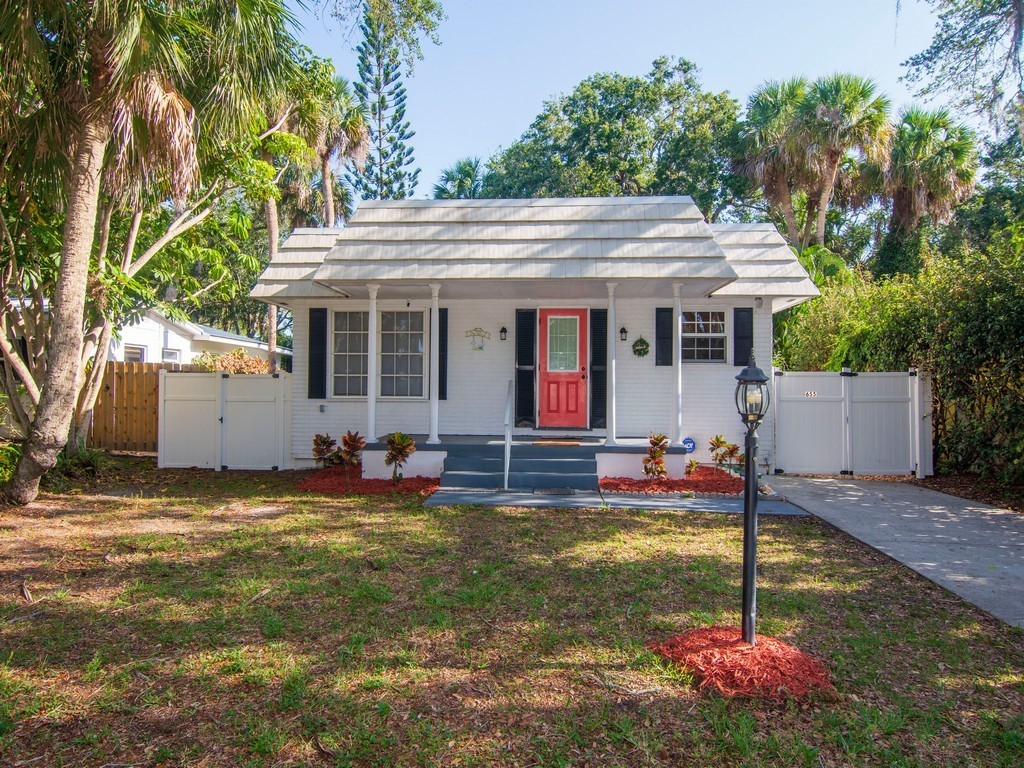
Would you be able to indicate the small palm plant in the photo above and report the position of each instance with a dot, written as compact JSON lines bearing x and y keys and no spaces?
{"x":324,"y":450}
{"x":351,"y":451}
{"x":654,"y":461}
{"x":400,"y":447}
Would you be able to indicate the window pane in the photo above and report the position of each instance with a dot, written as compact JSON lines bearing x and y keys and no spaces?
{"x":349,"y":359}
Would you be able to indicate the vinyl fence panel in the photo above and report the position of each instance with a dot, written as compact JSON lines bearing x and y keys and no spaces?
{"x":853,"y":423}
{"x":809,"y":418}
{"x":221,"y":421}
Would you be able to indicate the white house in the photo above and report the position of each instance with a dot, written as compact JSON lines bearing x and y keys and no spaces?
{"x":160,"y":339}
{"x":418,"y":315}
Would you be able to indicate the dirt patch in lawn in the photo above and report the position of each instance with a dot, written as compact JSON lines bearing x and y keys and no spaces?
{"x":700,"y":480}
{"x":335,"y":482}
{"x":228,"y":619}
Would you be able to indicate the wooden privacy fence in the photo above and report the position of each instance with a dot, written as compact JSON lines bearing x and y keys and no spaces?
{"x":126,"y":413}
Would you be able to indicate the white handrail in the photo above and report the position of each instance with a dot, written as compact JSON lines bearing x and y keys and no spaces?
{"x":509,"y":397}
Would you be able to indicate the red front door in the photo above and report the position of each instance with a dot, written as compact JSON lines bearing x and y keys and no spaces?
{"x":563,"y":368}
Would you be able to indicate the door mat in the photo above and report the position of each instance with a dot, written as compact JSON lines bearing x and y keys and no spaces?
{"x":554,"y":492}
{"x":557,"y":442}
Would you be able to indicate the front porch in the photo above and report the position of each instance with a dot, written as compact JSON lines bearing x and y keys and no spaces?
{"x":535,"y":463}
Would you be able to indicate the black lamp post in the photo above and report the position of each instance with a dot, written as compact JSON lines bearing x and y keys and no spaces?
{"x":752,"y":398}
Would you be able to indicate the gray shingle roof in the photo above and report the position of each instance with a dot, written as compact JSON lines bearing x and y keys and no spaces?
{"x":619,"y":238}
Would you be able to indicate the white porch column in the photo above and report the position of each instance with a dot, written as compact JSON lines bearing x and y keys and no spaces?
{"x":677,"y":357}
{"x":371,"y":367}
{"x":613,"y":335}
{"x":435,"y":362}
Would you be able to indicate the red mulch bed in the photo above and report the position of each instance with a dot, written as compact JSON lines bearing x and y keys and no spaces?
{"x":770,"y":669}
{"x":700,"y":480}
{"x":332,"y":481}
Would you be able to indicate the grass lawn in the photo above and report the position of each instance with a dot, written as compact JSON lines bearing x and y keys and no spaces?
{"x":199,"y":619}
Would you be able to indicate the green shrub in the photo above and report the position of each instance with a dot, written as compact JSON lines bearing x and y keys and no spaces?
{"x":9,"y":455}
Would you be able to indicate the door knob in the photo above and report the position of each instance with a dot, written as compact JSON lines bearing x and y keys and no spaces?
{"x":584,"y":376}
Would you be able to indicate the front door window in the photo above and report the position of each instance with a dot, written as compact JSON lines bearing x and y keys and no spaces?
{"x":563,"y":342}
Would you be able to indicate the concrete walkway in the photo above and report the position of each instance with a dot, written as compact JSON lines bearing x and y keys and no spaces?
{"x":973,"y":550}
{"x":592,"y":500}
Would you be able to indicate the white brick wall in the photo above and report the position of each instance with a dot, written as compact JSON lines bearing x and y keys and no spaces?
{"x":478,"y":379}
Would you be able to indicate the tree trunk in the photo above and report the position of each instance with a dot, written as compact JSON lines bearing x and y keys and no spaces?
{"x":272,"y":238}
{"x":828,"y":183}
{"x":785,"y":201}
{"x":59,"y":391}
{"x":327,"y":181}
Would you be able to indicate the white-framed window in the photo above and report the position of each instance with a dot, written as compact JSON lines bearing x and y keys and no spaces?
{"x":170,"y":355}
{"x":350,"y":349}
{"x":134,"y":354}
{"x":401,"y":354}
{"x":563,"y":343}
{"x":704,"y":336}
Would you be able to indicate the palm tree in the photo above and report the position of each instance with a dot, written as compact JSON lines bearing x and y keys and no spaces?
{"x":931,"y":170}
{"x":462,"y":181}
{"x":107,"y":78}
{"x":840,"y":114}
{"x":342,"y":134}
{"x":772,"y":156}
{"x":931,"y":167}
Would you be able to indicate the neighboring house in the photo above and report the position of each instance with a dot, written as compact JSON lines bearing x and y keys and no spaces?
{"x":159,"y":339}
{"x":418,"y":314}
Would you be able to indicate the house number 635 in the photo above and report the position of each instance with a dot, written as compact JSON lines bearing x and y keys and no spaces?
{"x":810,"y":393}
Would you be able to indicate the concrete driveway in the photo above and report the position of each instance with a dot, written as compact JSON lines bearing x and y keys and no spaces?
{"x":970,"y":548}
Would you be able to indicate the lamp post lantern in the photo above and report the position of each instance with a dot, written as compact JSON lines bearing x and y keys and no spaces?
{"x":752,"y":398}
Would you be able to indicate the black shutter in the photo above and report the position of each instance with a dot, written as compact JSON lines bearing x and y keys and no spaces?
{"x":663,"y":346}
{"x":526,"y":366}
{"x":316,"y":386}
{"x":742,"y":334}
{"x":442,"y":354}
{"x":598,"y":368}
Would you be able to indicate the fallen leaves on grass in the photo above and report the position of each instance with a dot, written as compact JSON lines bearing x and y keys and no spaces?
{"x":970,"y":486}
{"x":332,"y":481}
{"x":770,"y":669}
{"x":700,"y":480}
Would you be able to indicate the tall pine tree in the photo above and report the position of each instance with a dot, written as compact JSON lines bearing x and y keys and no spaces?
{"x":387,"y":174}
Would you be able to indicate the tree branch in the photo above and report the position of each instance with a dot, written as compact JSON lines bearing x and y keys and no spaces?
{"x":13,"y":359}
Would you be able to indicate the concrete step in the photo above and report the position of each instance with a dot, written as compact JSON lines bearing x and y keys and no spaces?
{"x":527,"y":480}
{"x":474,"y":463}
{"x":519,"y":464}
{"x":471,"y":479}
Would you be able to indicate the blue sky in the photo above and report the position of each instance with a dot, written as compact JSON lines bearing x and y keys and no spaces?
{"x":500,"y":60}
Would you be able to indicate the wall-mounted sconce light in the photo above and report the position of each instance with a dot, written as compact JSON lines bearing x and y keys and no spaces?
{"x":623,"y":333}
{"x":758,"y":302}
{"x":503,"y":333}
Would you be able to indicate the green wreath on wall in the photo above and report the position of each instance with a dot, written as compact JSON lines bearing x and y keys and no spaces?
{"x":641,"y":347}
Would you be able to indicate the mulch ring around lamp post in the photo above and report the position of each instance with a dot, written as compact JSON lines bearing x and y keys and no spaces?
{"x":770,"y":669}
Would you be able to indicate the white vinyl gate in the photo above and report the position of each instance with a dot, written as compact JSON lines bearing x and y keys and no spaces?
{"x":853,"y":423}
{"x":221,"y":421}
